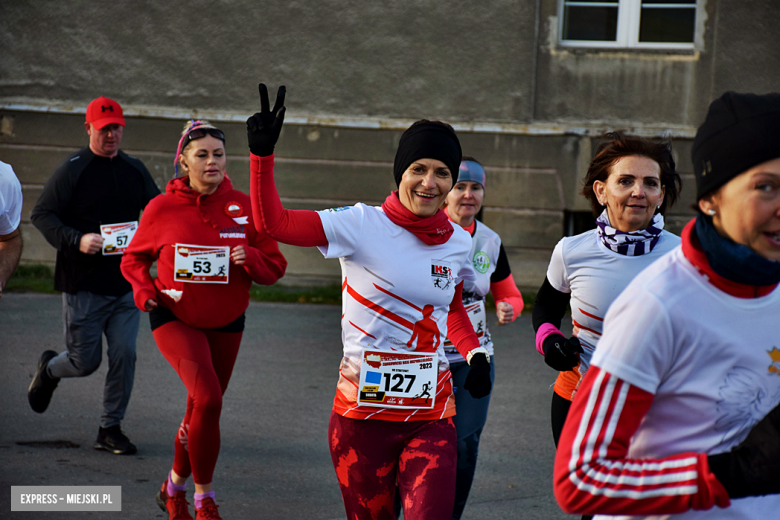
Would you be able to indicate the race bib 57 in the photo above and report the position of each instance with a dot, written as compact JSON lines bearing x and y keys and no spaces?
{"x":116,"y":237}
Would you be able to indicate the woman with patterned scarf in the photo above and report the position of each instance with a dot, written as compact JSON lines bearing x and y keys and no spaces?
{"x":630,"y":183}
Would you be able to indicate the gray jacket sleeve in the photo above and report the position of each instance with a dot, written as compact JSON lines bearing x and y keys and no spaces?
{"x":46,"y":214}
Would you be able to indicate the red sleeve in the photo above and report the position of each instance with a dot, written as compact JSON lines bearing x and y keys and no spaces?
{"x":138,"y":258}
{"x":593,"y":474}
{"x":459,"y":329}
{"x":264,"y":263}
{"x":294,"y":227}
{"x":506,"y":291}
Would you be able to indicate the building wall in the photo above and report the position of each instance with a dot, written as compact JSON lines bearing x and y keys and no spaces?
{"x":357,"y":74}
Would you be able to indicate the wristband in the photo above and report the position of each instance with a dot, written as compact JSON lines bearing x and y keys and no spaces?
{"x":478,"y":350}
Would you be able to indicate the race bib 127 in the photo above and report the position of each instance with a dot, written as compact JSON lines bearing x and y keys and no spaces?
{"x":398,"y":379}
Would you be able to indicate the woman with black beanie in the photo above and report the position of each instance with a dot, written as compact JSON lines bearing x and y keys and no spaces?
{"x":679,"y":410}
{"x":403,"y":266}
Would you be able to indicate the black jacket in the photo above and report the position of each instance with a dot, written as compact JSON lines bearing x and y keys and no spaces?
{"x":85,"y":192}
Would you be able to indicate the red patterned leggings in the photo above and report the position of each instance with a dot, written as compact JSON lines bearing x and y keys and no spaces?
{"x":371,"y":456}
{"x":204,"y":360}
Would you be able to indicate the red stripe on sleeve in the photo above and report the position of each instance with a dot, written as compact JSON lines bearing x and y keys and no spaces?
{"x":593,"y":474}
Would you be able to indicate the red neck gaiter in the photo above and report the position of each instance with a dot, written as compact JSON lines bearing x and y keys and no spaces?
{"x":433,"y":230}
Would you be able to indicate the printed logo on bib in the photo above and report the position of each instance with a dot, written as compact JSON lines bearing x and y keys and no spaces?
{"x":116,"y":237}
{"x":201,"y":264}
{"x":398,"y":379}
{"x":441,"y":274}
{"x":481,"y":262}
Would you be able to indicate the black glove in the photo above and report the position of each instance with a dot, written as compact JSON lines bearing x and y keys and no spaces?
{"x":561,"y":353}
{"x":478,"y":379}
{"x":753,"y":468}
{"x":263,"y":128}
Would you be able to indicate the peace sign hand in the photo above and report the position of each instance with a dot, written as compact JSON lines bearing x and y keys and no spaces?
{"x":263,"y":128}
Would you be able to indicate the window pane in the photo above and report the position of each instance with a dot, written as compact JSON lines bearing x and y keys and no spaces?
{"x":667,"y":25}
{"x":590,"y":23}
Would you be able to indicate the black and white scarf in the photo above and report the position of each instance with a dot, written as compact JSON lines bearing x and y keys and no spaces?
{"x":633,"y":243}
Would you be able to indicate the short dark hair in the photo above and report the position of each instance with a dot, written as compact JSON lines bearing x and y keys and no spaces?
{"x":616,"y":145}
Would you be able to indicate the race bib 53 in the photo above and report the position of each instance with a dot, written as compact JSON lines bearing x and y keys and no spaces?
{"x":201,"y":264}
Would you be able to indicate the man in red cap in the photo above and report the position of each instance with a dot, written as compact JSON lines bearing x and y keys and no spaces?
{"x":89,"y":212}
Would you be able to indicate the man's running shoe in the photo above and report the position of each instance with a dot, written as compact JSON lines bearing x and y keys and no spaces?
{"x":176,"y":505}
{"x":112,"y":439}
{"x":208,"y":510}
{"x":42,"y":385}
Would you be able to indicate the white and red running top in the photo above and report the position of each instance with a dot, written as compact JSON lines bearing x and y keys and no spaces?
{"x":492,"y":274}
{"x":595,"y":275}
{"x":389,"y":277}
{"x":684,"y":369}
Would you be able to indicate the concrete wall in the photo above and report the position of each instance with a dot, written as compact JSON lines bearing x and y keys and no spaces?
{"x":357,"y":74}
{"x":449,"y":60}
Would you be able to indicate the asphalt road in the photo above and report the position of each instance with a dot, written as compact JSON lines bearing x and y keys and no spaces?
{"x":274,"y":462}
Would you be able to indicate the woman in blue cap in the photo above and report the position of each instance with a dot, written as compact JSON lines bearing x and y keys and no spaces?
{"x":493,"y":275}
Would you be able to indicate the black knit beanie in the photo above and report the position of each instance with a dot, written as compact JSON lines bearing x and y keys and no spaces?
{"x":741,"y":131}
{"x":427,"y":140}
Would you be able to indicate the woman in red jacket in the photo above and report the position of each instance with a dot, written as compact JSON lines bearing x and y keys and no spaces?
{"x":208,"y":253}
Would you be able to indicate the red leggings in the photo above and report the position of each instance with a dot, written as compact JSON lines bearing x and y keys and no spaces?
{"x":204,"y":360}
{"x":370,"y":456}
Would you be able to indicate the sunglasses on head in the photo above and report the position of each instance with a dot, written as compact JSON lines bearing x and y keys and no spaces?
{"x":199,"y":133}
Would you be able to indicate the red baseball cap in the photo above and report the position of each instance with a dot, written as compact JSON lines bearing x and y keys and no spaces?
{"x":104,"y":111}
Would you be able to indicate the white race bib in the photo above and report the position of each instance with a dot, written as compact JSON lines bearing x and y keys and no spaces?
{"x":116,"y":237}
{"x":398,"y":379}
{"x":201,"y":264}
{"x":478,"y":317}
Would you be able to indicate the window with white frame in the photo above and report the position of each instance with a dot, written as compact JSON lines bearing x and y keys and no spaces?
{"x":654,"y":24}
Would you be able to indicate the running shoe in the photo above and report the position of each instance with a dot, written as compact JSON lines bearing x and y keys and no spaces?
{"x":175,"y":505}
{"x":208,"y":510}
{"x":42,"y":385}
{"x":112,"y":439}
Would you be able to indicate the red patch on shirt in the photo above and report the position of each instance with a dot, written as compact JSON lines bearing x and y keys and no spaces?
{"x":234,"y":209}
